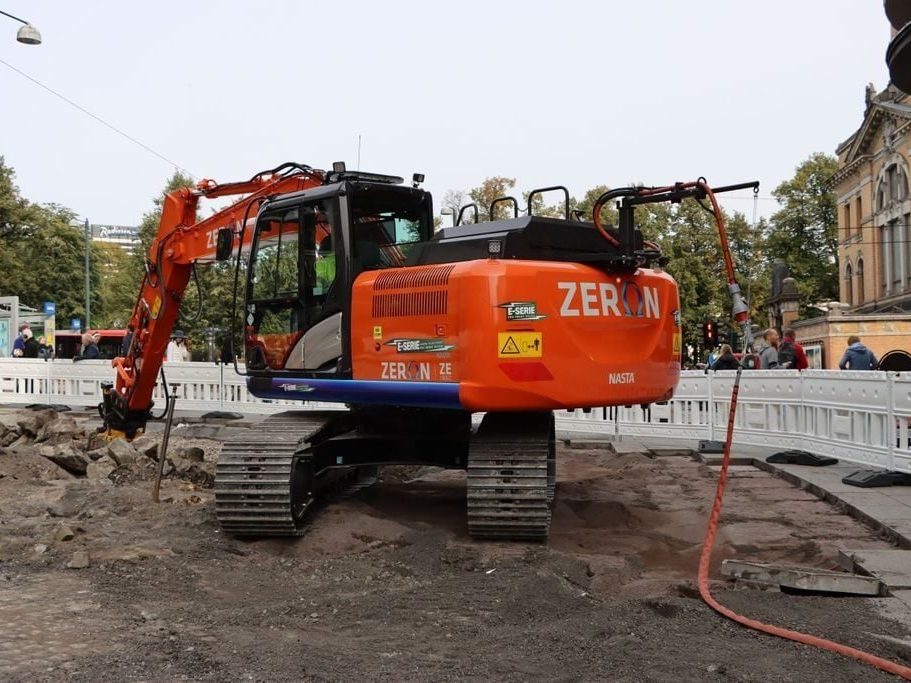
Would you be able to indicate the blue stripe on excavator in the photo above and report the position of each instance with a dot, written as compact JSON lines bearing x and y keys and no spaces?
{"x":410,"y":394}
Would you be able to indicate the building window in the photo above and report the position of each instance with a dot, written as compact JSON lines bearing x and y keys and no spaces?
{"x":860,"y":281}
{"x":847,"y":213}
{"x":885,"y":235}
{"x":897,"y":264}
{"x":849,"y":285}
{"x":858,"y":215}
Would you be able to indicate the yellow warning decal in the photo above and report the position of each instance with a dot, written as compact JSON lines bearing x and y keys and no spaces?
{"x":156,"y":306}
{"x":520,"y":344}
{"x":678,"y":344}
{"x":377,"y":332}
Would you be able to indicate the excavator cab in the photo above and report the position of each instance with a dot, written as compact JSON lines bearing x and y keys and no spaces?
{"x":307,"y":250}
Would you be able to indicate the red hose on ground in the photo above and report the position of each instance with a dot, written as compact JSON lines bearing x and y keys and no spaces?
{"x":705,"y":557}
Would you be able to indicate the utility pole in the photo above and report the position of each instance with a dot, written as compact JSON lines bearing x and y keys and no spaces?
{"x":88,"y":282}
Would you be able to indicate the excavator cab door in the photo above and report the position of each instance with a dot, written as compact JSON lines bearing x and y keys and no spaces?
{"x":293,"y":309}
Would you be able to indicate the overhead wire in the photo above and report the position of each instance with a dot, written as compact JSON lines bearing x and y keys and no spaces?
{"x":97,"y":118}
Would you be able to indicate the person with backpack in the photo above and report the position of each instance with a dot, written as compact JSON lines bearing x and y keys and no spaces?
{"x":726,"y":359}
{"x":857,"y":356}
{"x":791,"y":354}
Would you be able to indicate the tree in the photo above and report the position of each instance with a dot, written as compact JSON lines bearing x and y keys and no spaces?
{"x":803,"y":231}
{"x":484,"y":194}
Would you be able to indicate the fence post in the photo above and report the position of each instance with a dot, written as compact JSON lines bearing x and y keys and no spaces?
{"x":711,"y":406}
{"x":221,"y":386}
{"x":892,"y":429}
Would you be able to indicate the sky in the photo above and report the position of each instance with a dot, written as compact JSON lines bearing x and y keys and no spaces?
{"x":572,"y":93}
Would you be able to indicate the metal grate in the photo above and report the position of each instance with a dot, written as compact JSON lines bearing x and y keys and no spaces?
{"x":434,"y":302}
{"x":402,"y":278}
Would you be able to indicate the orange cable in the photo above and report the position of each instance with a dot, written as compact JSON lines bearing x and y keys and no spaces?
{"x":703,"y":578}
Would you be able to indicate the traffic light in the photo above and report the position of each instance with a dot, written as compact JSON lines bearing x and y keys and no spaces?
{"x":710,"y":334}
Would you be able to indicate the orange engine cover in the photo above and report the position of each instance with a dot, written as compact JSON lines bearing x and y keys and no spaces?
{"x":520,"y":335}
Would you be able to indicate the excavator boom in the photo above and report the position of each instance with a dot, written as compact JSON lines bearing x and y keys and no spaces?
{"x":181,"y":242}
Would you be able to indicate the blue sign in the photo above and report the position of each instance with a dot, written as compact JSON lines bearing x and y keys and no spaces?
{"x":50,"y":308}
{"x":75,"y":324}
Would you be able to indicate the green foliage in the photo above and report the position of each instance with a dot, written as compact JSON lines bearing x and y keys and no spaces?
{"x":803,"y":231}
{"x":486,"y":192}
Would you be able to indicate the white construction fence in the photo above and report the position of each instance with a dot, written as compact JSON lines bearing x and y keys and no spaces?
{"x":858,"y":417}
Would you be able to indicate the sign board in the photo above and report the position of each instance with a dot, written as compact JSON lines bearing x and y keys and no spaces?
{"x":75,"y":324}
{"x":50,"y":308}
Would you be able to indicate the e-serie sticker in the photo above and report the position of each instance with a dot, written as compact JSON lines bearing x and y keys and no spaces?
{"x":419,"y":345}
{"x":520,"y":344}
{"x":521,"y":310}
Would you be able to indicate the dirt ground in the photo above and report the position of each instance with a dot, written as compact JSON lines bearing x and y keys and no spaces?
{"x":387,"y":584}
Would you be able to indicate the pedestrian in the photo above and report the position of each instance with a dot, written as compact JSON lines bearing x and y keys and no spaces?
{"x":857,"y":356}
{"x":176,"y":351}
{"x":227,"y":357}
{"x":29,"y":344}
{"x":44,"y":351}
{"x":768,"y":357}
{"x":127,"y":340}
{"x":90,"y":347}
{"x":791,"y":354}
{"x":19,"y":342}
{"x":726,"y":359}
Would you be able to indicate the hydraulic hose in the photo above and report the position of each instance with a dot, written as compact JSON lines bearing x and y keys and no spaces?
{"x":712,"y":529}
{"x":706,"y":556}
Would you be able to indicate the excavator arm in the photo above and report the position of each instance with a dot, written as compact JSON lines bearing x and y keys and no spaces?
{"x":181,"y":242}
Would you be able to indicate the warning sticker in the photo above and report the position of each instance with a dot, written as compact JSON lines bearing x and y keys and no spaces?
{"x":520,"y":344}
{"x":678,"y":344}
{"x":156,"y":306}
{"x":377,"y":332}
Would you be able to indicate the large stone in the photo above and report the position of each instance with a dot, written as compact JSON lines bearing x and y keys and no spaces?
{"x":8,"y":423}
{"x":191,"y":453}
{"x":146,"y":446}
{"x":101,"y":468}
{"x":64,"y":533}
{"x":97,"y":453}
{"x":71,"y":460}
{"x":80,"y":560}
{"x":10,"y":437}
{"x":200,"y":473}
{"x":32,"y":424}
{"x":122,"y":452}
{"x":95,"y":441}
{"x":53,"y":430}
{"x":19,"y":442}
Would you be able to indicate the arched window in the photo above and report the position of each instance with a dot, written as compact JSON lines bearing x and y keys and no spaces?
{"x":849,"y":285}
{"x":860,"y":281}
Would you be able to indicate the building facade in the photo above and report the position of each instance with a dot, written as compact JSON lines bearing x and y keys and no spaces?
{"x":124,"y":236}
{"x":874,"y":237}
{"x":874,"y":207}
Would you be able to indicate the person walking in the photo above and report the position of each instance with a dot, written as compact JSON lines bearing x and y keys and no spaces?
{"x":857,"y":356}
{"x":791,"y":354}
{"x":726,"y":359}
{"x":768,"y":357}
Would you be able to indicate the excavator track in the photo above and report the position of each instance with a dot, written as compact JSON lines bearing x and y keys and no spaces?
{"x":511,"y":471}
{"x":264,"y":482}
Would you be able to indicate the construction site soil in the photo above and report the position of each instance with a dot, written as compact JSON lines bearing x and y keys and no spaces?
{"x":387,"y":585}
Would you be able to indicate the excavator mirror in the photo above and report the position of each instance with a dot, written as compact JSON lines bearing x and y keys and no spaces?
{"x":224,"y":244}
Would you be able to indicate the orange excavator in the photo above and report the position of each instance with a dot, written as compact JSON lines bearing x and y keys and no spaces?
{"x":350,"y":297}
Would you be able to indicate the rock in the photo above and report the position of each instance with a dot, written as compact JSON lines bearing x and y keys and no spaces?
{"x":64,"y":455}
{"x":80,"y":560}
{"x":96,"y":454}
{"x":40,"y":548}
{"x":146,"y":446}
{"x":33,"y":423}
{"x":122,"y":452}
{"x":69,"y":504}
{"x":9,"y":438}
{"x":192,"y":453}
{"x":59,"y":430}
{"x":9,"y":423}
{"x":20,"y":441}
{"x":101,"y":468}
{"x":201,"y":473}
{"x":95,"y":441}
{"x":64,"y":533}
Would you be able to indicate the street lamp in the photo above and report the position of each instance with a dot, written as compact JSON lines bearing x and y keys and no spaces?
{"x":28,"y":34}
